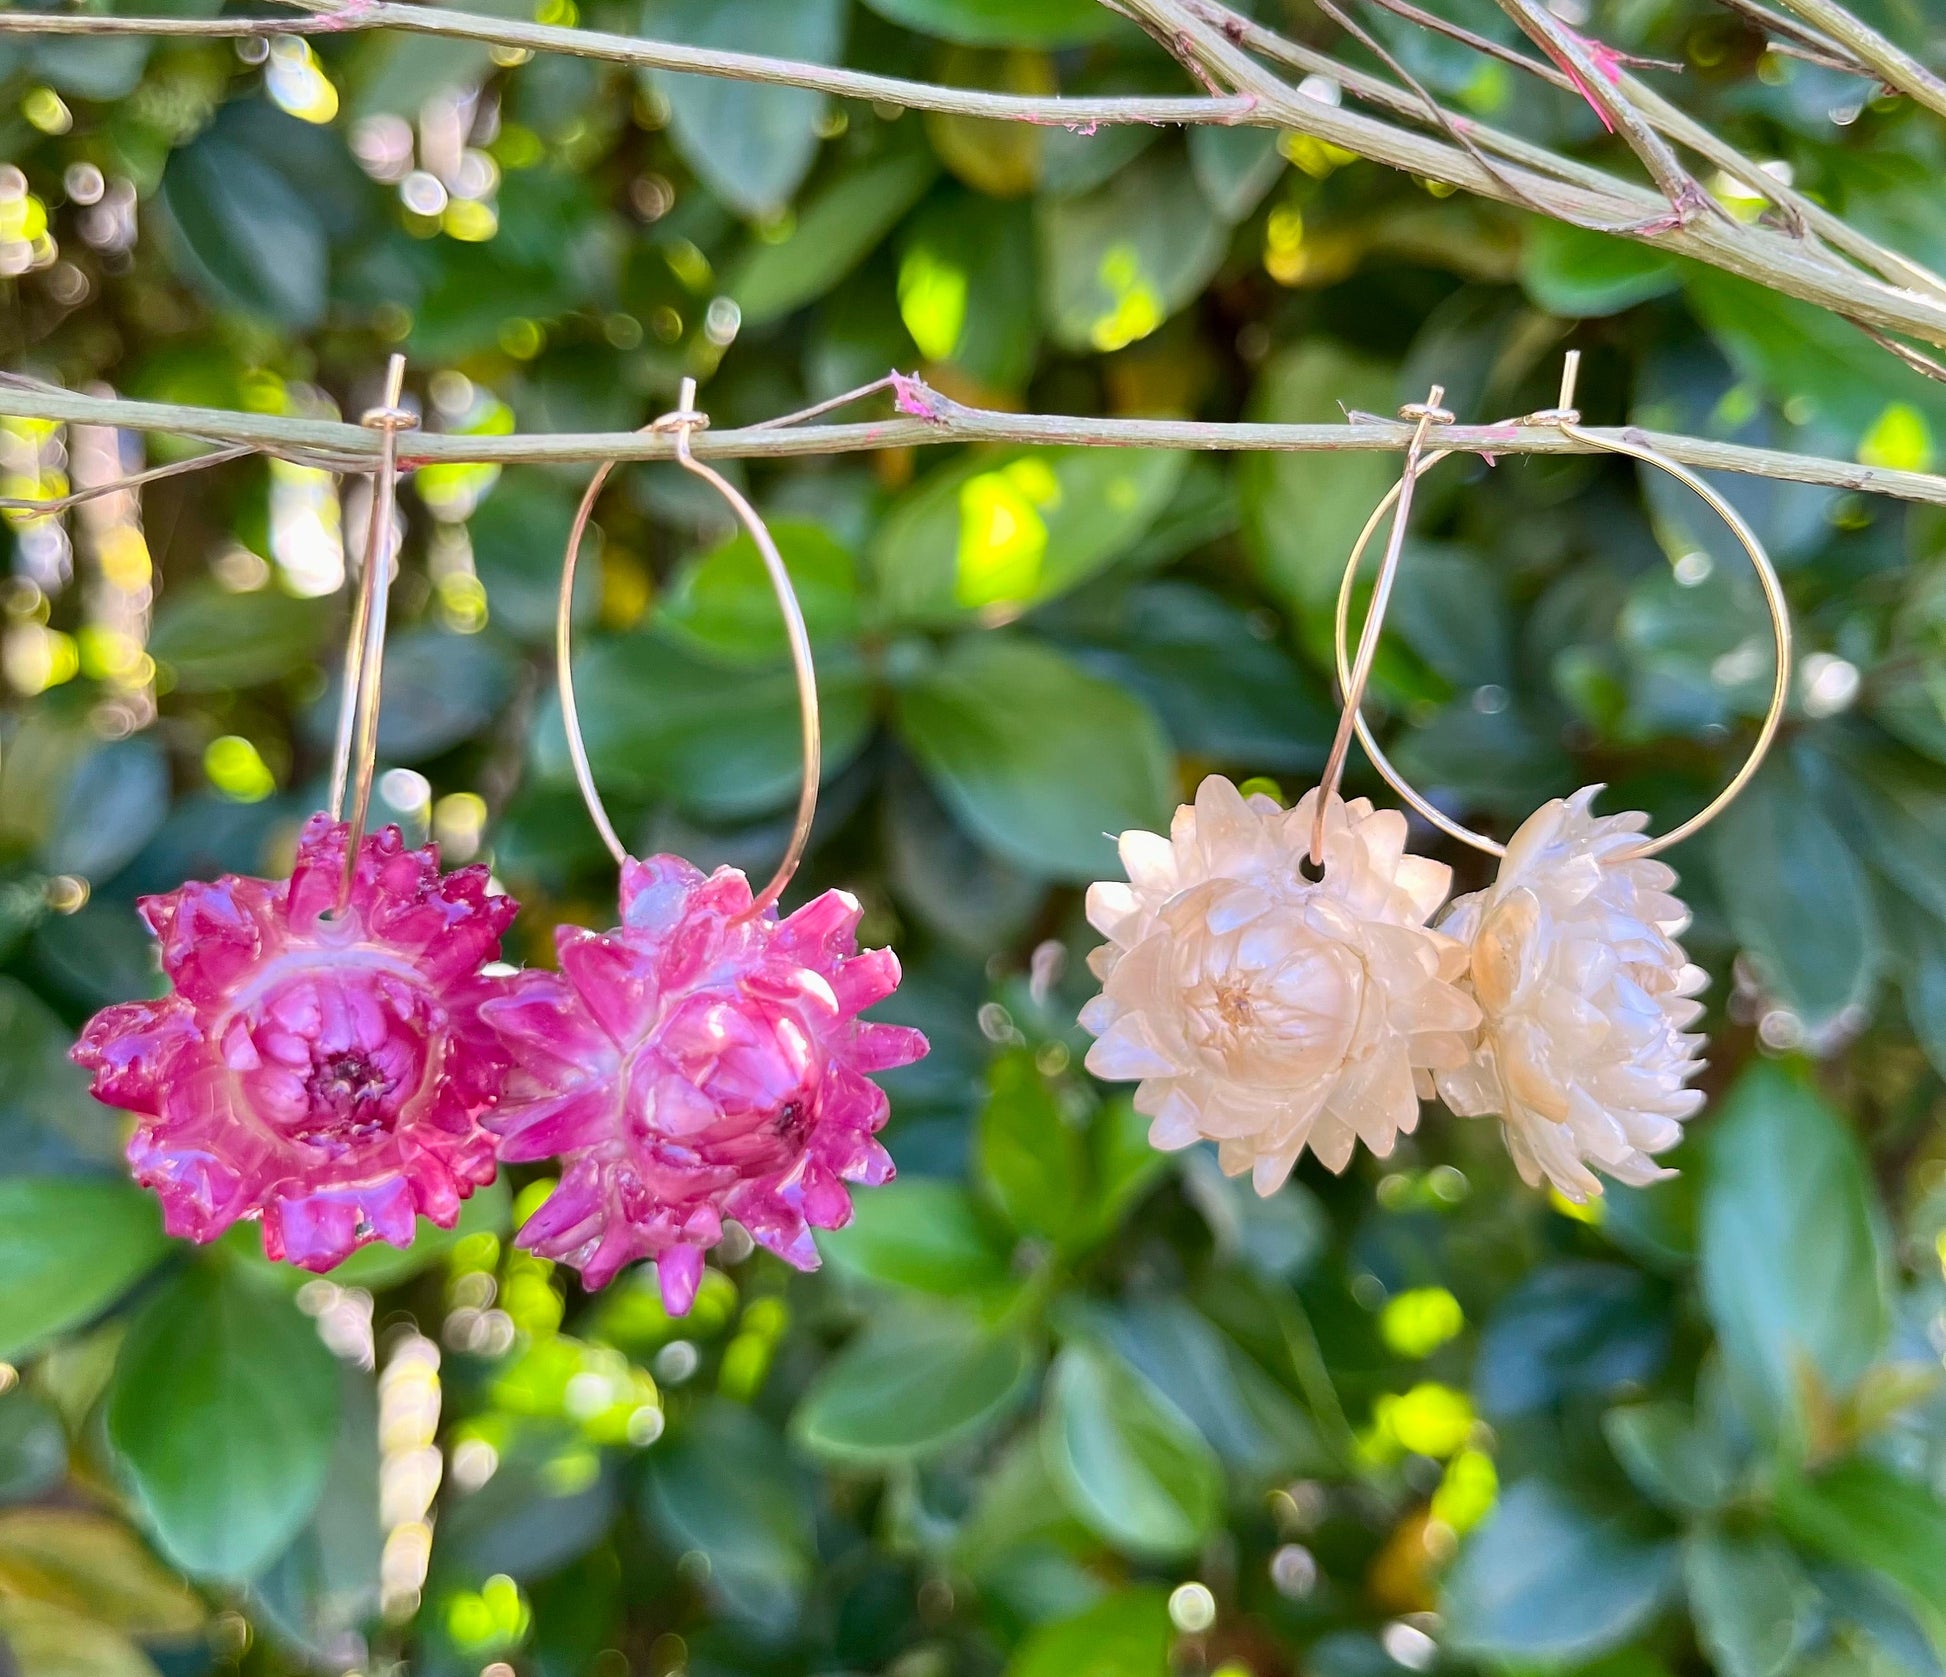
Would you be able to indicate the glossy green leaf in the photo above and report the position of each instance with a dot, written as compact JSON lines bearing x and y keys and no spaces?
{"x":1119,"y":262}
{"x":1543,"y":1580}
{"x":1672,"y":1456}
{"x":222,"y":1415}
{"x":1302,"y":512}
{"x":518,"y":533}
{"x":1032,"y":1159}
{"x":1038,"y":759}
{"x":1579,"y":274}
{"x":1126,"y":1635}
{"x":1781,"y":1162}
{"x":722,"y":602}
{"x":910,"y":1387}
{"x":1863,"y":1514}
{"x":71,"y":1247}
{"x":94,"y":1565}
{"x":726,"y":1487}
{"x":111,"y":805}
{"x":836,"y":228}
{"x":1127,"y":1462}
{"x":722,"y":741}
{"x":209,"y":640}
{"x":999,"y":533}
{"x":966,"y":286}
{"x":751,"y":144}
{"x":1753,"y":1604}
{"x":1002,"y":23}
{"x":924,"y":1235}
{"x":1796,"y":894}
{"x":1235,"y":167}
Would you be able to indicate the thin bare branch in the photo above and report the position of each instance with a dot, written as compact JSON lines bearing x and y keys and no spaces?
{"x":1891,"y":63}
{"x":943,"y":421}
{"x":94,"y":492}
{"x":1051,"y":110}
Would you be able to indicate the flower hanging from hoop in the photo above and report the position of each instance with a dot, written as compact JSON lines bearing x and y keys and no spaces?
{"x":1266,"y":1011}
{"x":698,"y":1062}
{"x":324,"y":1071}
{"x":1587,"y":998}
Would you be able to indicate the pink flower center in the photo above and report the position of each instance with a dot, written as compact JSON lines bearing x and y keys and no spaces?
{"x":348,"y":1097}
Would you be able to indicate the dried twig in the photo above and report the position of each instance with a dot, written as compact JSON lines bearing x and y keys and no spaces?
{"x":927,"y":417}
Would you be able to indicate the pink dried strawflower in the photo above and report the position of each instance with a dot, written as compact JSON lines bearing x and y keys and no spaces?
{"x":322,"y":1071}
{"x":698,"y":1062}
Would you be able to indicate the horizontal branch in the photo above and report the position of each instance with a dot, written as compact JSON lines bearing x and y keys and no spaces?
{"x":1047,"y":109}
{"x":355,"y":448}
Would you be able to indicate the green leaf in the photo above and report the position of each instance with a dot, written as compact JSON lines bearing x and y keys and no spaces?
{"x":1796,"y":895}
{"x":222,"y":1414}
{"x":966,"y":287}
{"x":1000,"y":533}
{"x":752,"y":145}
{"x":43,"y":1640}
{"x":440,"y":688}
{"x":1032,"y":1161}
{"x":1119,"y":262}
{"x":1037,"y":759}
{"x":1545,"y":1581}
{"x":1674,"y":1459}
{"x":1127,"y":1462}
{"x":1126,"y":1635}
{"x":1782,"y":1163}
{"x":722,"y":601}
{"x":725,"y":1486}
{"x":33,"y":1447}
{"x":48,"y":1120}
{"x":1235,"y":167}
{"x":1577,"y":274}
{"x":722,"y":742}
{"x":93,"y":1565}
{"x":518,"y":533}
{"x":110,"y":807}
{"x":210,"y":640}
{"x":1925,"y":1000}
{"x":1753,"y":1605}
{"x":72,"y":1246}
{"x":1002,"y":23}
{"x":245,"y":231}
{"x":1302,"y":512}
{"x":921,"y":1234}
{"x":835,"y":230}
{"x":1863,"y":1514}
{"x":1277,"y":1239}
{"x":1806,"y":355}
{"x":909,"y":1387}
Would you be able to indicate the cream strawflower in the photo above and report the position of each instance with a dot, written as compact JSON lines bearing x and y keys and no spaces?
{"x":1266,"y":1012}
{"x":1586,"y":997}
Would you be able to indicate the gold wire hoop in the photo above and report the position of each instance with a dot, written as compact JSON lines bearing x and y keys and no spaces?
{"x":683,"y":423}
{"x":1568,"y":421}
{"x":356,"y":740}
{"x":1352,"y":682}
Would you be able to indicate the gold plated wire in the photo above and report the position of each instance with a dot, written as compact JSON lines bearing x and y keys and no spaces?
{"x":682,"y":424}
{"x":1568,"y":421}
{"x":354,"y":759}
{"x":1353,"y":681}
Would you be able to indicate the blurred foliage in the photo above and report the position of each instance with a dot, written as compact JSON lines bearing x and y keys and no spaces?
{"x":1056,"y":1406}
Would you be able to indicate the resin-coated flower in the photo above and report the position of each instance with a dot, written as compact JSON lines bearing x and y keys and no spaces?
{"x":698,"y":1062}
{"x":1587,"y":999}
{"x":323,"y":1071}
{"x":1266,"y":1011}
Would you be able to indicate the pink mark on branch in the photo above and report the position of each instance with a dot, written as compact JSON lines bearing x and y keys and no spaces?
{"x":323,"y":1072}
{"x":698,"y":1062}
{"x":351,"y":15}
{"x":1607,"y":63}
{"x":912,"y":395}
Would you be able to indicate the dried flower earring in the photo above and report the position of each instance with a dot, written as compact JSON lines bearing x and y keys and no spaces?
{"x":1584,"y":1052}
{"x":704,"y":1059}
{"x":320,"y":1063}
{"x":1266,"y":1007}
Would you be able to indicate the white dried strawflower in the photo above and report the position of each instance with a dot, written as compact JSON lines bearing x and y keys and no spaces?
{"x":1265,"y":1011}
{"x":1586,"y":998}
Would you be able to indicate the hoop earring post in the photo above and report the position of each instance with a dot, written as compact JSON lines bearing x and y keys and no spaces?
{"x":1355,"y":680}
{"x":355,"y":748}
{"x":1567,"y":419}
{"x":683,"y":423}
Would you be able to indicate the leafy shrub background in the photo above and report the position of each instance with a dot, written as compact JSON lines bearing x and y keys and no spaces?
{"x":1048,"y":1376}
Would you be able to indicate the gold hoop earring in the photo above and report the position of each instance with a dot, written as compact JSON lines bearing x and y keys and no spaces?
{"x":1584,"y":1051}
{"x":1567,"y":420}
{"x":704,"y":1059}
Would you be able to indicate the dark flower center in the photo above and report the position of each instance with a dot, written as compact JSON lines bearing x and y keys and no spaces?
{"x":348,"y":1100}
